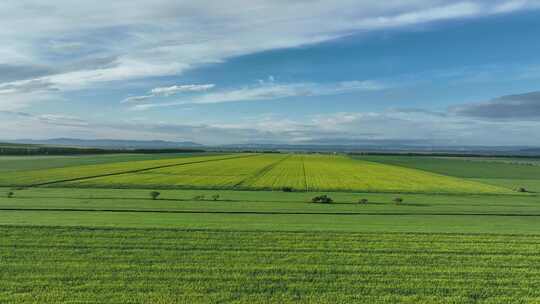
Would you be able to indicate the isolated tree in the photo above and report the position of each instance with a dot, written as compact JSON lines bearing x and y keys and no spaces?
{"x":398,"y":200}
{"x":363,"y":201}
{"x":10,"y":194}
{"x":154,"y":195}
{"x":287,"y":189}
{"x":323,"y":199}
{"x":215,"y":197}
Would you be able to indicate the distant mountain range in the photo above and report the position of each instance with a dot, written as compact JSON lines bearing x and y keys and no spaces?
{"x":109,"y":143}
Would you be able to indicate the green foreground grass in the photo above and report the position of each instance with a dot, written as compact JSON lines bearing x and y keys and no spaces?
{"x":93,"y":265}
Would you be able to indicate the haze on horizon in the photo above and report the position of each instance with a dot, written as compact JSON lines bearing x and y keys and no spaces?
{"x":341,"y":71}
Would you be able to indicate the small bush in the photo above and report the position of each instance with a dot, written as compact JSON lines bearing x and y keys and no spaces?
{"x":10,"y":194}
{"x":398,"y":200}
{"x":323,"y":199}
{"x":154,"y":195}
{"x":522,"y":190}
{"x":215,"y":197}
{"x":199,"y":198}
{"x":287,"y":189}
{"x":363,"y":201}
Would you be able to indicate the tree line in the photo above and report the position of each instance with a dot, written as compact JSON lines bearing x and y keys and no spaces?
{"x":32,"y":150}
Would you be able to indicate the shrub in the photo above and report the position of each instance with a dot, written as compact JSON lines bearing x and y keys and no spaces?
{"x":154,"y":195}
{"x":521,"y":189}
{"x":215,"y":197}
{"x":198,"y":198}
{"x":398,"y":200}
{"x":323,"y":199}
{"x":287,"y":189}
{"x":363,"y":201}
{"x":10,"y":194}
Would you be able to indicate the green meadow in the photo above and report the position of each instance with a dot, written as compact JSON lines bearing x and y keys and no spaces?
{"x":242,"y":228}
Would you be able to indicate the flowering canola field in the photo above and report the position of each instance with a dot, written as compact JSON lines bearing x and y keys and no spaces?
{"x":296,"y":172}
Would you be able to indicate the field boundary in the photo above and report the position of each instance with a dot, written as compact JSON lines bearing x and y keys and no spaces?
{"x":265,"y":212}
{"x":138,"y":170}
{"x":262,"y":189}
{"x":306,"y":188}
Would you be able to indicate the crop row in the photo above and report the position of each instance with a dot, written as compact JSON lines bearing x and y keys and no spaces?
{"x":108,"y":265}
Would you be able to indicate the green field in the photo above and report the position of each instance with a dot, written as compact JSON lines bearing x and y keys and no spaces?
{"x":186,"y":266}
{"x":62,"y":173}
{"x":92,"y":234}
{"x":507,"y":172}
{"x":31,"y":163}
{"x":251,"y":171}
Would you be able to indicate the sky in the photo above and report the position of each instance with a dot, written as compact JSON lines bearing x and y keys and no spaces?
{"x":272,"y":71}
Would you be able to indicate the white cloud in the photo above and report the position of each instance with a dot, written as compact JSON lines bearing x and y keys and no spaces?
{"x":170,"y":91}
{"x":272,"y":90}
{"x":134,"y":99}
{"x":167,"y":37}
{"x":62,"y":120}
{"x":515,"y":5}
{"x":173,"y":90}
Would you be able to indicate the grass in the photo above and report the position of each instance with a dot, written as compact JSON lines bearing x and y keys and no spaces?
{"x":531,"y":185}
{"x":298,"y":172}
{"x":257,"y":201}
{"x":275,"y":211}
{"x":56,"y":265}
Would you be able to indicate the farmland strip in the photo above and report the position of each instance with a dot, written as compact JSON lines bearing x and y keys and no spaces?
{"x":139,"y":170}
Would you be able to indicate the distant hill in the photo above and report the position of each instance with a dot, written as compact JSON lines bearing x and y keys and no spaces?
{"x":389,"y":147}
{"x":109,"y":143}
{"x":13,"y":145}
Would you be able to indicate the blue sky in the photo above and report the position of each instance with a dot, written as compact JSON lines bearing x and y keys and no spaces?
{"x":431,"y":72}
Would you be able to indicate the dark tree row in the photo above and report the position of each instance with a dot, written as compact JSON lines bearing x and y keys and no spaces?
{"x":84,"y":151}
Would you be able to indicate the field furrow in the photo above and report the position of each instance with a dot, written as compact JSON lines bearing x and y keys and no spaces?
{"x":177,"y":266}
